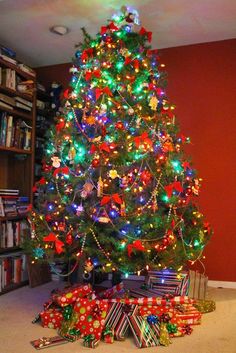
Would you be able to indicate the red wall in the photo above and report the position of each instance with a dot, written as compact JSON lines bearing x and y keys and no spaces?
{"x":202,"y":81}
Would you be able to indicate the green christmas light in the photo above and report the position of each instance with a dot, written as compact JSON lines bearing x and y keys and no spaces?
{"x":177,"y":166}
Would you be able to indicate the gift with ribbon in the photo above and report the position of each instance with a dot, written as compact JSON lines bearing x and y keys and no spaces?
{"x":46,"y":342}
{"x":51,"y":318}
{"x":145,"y":334}
{"x":71,"y":294}
{"x":90,"y":341}
{"x":108,"y":334}
{"x":91,"y":316}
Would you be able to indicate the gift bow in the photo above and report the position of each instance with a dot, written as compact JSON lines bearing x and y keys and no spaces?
{"x":61,"y":170}
{"x":96,"y":311}
{"x":90,"y":74}
{"x":100,"y":91}
{"x":114,"y":197}
{"x":89,"y":338}
{"x":137,"y":245}
{"x":86,"y":54}
{"x":144,"y":32}
{"x":134,"y":63}
{"x":103,"y":147}
{"x":153,"y":87}
{"x":152,"y":52}
{"x":51,"y":237}
{"x":112,"y":27}
{"x":142,"y":139}
{"x":108,"y":331}
{"x":174,"y":186}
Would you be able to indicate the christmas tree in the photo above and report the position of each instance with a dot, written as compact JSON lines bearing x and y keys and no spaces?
{"x":117,"y":186}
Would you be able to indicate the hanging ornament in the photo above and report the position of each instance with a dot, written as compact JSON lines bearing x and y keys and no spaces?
{"x":145,"y":177}
{"x":72,"y":154}
{"x":95,"y":162}
{"x":79,"y":210}
{"x":88,"y":266}
{"x":103,"y":219}
{"x":122,"y":209}
{"x":61,"y":227}
{"x":153,"y":103}
{"x":196,"y":187}
{"x":130,"y":111}
{"x":56,"y":162}
{"x":167,"y":144}
{"x":119,"y":125}
{"x":88,"y":187}
{"x":124,"y":182}
{"x":100,"y":187}
{"x":113,"y":174}
{"x":138,"y":121}
{"x":90,"y":120}
{"x":69,"y":239}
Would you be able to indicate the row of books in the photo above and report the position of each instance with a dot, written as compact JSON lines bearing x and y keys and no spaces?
{"x":12,"y":232}
{"x":8,"y":78}
{"x":14,"y":132}
{"x":13,"y":270}
{"x":12,"y":206}
{"x":22,"y":67}
{"x":15,"y":103}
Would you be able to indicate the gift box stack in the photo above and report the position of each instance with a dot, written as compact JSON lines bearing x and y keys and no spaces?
{"x":78,"y":313}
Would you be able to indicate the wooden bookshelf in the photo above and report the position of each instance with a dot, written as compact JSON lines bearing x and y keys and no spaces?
{"x":16,"y":167}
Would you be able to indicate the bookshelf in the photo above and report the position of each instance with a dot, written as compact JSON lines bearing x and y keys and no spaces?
{"x":17,"y":140}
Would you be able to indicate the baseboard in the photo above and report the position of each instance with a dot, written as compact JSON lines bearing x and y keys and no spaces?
{"x":221,"y":284}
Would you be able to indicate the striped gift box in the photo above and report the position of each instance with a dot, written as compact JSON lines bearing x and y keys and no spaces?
{"x":168,"y":282}
{"x":144,"y":298}
{"x":145,"y":335}
{"x":123,"y":324}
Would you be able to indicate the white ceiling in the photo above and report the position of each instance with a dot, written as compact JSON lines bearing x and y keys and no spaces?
{"x":24,"y":24}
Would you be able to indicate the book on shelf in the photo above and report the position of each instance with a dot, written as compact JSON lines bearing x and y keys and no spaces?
{"x":13,"y":270}
{"x":8,"y":78}
{"x":10,"y":192}
{"x":14,"y":132}
{"x":40,"y":104}
{"x":6,"y":99}
{"x":12,"y":206}
{"x":24,"y":101}
{"x":23,"y":106}
{"x":5,"y":105}
{"x":8,"y":59}
{"x":12,"y":232}
{"x":27,"y":69}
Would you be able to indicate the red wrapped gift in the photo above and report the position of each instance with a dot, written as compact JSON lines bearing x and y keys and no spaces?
{"x":71,"y":294}
{"x":91,"y":316}
{"x":190,"y":315}
{"x":51,"y":318}
{"x":146,"y":310}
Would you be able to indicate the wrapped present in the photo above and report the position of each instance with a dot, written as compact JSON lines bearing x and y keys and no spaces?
{"x":190,"y":316}
{"x":91,"y":316}
{"x":168,"y":282}
{"x":71,"y":294}
{"x":198,"y":285}
{"x":51,"y":318}
{"x":122,"y":327}
{"x":110,"y":292}
{"x":90,"y":341}
{"x":114,"y":313}
{"x":108,"y":334}
{"x":46,"y":342}
{"x":144,"y":333}
{"x":68,"y":330}
{"x":142,"y":300}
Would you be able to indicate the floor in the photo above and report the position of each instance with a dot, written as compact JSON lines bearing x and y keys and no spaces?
{"x":216,"y":334}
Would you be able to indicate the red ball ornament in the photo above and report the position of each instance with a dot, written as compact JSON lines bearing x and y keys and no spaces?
{"x":145,"y":177}
{"x":95,"y":162}
{"x":119,"y":125}
{"x":69,"y":239}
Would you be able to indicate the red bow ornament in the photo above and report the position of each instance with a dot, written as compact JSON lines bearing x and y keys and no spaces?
{"x":112,"y":27}
{"x":100,"y":91}
{"x":115,"y":198}
{"x":143,"y":140}
{"x":136,"y":245}
{"x":61,"y":170}
{"x":144,"y":32}
{"x":174,"y":186}
{"x":87,"y":53}
{"x":92,"y":74}
{"x":58,"y":243}
{"x":134,"y":63}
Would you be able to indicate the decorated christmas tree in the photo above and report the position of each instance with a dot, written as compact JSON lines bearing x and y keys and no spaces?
{"x":117,"y":186}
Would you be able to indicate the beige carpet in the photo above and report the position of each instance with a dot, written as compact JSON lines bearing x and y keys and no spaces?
{"x":216,"y":334}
